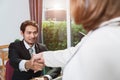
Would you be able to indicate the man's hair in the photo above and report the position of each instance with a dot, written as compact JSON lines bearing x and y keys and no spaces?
{"x":91,"y":13}
{"x":27,"y":23}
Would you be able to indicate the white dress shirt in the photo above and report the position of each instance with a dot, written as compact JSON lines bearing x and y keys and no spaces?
{"x":96,"y":57}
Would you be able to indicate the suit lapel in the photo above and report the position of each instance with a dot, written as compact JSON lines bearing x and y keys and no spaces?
{"x":37,"y":49}
{"x":24,"y":50}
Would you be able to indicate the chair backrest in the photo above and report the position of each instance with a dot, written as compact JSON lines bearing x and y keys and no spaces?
{"x":3,"y":59}
{"x":3,"y":54}
{"x":9,"y":71}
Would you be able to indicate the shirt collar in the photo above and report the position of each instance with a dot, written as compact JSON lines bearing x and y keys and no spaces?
{"x":27,"y":46}
{"x":114,"y":21}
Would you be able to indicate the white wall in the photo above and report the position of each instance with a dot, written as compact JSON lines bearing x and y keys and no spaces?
{"x":12,"y":14}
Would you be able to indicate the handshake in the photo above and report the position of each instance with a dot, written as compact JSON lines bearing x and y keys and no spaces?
{"x":36,"y":63}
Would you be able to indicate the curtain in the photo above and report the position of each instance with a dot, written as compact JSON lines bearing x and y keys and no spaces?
{"x":36,"y":14}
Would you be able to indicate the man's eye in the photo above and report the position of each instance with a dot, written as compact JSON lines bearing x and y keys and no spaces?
{"x":35,"y":32}
{"x":28,"y":32}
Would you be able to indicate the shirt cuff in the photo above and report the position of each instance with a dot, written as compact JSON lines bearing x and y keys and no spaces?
{"x":22,"y":65}
{"x":48,"y":76}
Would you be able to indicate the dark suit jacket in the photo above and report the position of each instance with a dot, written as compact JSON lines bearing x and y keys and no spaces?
{"x":18,"y":52}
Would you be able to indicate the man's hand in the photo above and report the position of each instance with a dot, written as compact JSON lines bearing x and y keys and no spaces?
{"x":38,"y":58}
{"x":36,"y":63}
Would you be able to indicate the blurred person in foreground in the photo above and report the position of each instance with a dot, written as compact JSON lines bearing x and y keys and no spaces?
{"x":20,"y":53}
{"x":97,"y":55}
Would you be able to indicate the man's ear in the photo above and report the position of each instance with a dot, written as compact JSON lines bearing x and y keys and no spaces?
{"x":21,"y":33}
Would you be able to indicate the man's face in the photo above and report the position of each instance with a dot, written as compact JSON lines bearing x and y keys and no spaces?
{"x":30,"y":35}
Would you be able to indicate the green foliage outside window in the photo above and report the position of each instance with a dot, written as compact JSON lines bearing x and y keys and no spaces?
{"x":55,"y":34}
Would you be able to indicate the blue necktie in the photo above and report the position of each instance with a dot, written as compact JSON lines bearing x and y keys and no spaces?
{"x":30,"y":51}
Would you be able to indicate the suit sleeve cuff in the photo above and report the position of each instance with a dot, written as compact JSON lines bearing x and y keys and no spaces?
{"x":48,"y":76}
{"x":22,"y":65}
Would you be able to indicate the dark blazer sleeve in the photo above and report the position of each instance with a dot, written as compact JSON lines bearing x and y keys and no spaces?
{"x":13,"y":56}
{"x":53,"y":72}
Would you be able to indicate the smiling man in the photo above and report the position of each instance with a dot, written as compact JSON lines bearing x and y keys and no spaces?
{"x":20,"y":54}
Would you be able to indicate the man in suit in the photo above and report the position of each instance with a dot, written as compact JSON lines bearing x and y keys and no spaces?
{"x":20,"y":54}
